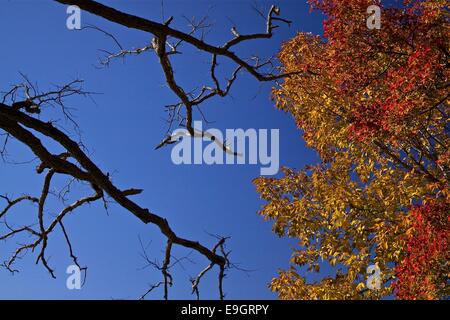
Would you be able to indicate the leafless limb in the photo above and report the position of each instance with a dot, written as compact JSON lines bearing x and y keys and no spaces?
{"x":165,"y":48}
{"x":44,"y":231}
{"x":18,"y":124}
{"x":152,"y":287}
{"x":11,"y":203}
{"x":220,"y":245}
{"x":27,"y":96}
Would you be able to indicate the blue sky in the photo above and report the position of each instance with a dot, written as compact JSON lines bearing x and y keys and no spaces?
{"x":120,"y":131}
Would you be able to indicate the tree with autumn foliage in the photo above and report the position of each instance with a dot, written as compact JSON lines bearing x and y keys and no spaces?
{"x":374,"y":104}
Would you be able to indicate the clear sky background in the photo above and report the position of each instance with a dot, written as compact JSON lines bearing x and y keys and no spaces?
{"x":120,"y":131}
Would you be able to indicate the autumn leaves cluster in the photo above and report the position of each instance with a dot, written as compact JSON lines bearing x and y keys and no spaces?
{"x":374,"y":105}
